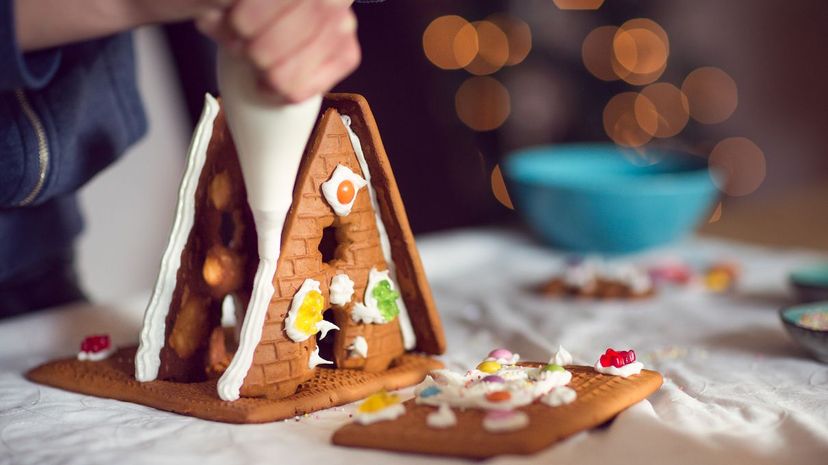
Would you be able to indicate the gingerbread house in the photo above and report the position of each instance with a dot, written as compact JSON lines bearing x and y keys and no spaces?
{"x":349,"y":289}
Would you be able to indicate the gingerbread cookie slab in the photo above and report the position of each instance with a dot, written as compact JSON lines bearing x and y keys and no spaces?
{"x":501,"y":407}
{"x":112,"y":378}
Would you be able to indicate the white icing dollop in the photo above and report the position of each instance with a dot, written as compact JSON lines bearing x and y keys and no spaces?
{"x":441,"y":418}
{"x":316,"y":360}
{"x":368,"y":312}
{"x":561,"y":395}
{"x":96,"y":356}
{"x":341,"y":290}
{"x":582,"y":275}
{"x":358,"y":348}
{"x":330,"y":189}
{"x":309,"y":285}
{"x":625,"y":371}
{"x":636,"y":279}
{"x":392,"y":412}
{"x":324,"y":326}
{"x":548,"y":380}
{"x":561,"y":357}
{"x":361,"y":313}
{"x":504,"y":422}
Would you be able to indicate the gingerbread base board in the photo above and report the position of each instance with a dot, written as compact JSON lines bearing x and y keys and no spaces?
{"x":600,"y":398}
{"x":113,"y":378}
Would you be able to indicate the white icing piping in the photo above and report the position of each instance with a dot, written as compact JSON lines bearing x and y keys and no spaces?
{"x":229,"y":385}
{"x":148,"y":357}
{"x":409,"y":338}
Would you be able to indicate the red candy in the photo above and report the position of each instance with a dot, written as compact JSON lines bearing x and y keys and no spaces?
{"x":95,"y":343}
{"x":617,"y":359}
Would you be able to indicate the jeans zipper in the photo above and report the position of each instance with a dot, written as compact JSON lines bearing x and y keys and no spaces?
{"x":42,"y":146}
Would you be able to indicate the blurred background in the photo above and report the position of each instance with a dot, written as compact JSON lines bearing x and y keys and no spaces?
{"x":456,"y":85}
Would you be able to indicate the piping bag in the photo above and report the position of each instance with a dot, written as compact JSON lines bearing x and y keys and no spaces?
{"x":270,"y":140}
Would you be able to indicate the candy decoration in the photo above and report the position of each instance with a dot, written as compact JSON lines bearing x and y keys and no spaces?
{"x":386,"y":300}
{"x":617,"y":359}
{"x":498,"y":396}
{"x":381,"y":406}
{"x":430,"y":391}
{"x":553,"y":367}
{"x":489,"y":366}
{"x":377,"y":402}
{"x":95,"y":348}
{"x":345,"y":192}
{"x":341,"y":189}
{"x":504,"y":354}
{"x":493,"y":379}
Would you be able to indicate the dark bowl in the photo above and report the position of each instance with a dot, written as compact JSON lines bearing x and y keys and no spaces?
{"x":813,"y":340}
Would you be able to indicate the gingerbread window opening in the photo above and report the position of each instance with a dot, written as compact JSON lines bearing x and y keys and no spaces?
{"x":326,"y":345}
{"x":328,"y":244}
{"x":227,"y":229}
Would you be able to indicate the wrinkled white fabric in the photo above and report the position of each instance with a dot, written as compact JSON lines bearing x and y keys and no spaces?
{"x":737,"y":389}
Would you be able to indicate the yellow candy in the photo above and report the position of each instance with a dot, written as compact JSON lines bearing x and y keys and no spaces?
{"x":377,"y":402}
{"x":310,"y":313}
{"x":489,"y":366}
{"x":718,"y":280}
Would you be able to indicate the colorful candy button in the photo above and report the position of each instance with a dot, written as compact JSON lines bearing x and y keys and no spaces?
{"x":430,"y":391}
{"x":489,"y":366}
{"x":498,"y":396}
{"x":553,"y":367}
{"x":502,"y":354}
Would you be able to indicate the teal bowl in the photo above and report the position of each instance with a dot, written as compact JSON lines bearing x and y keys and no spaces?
{"x":592,"y":198}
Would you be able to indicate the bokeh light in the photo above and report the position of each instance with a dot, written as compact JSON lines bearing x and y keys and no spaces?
{"x":450,"y":42}
{"x":493,"y":49}
{"x":670,"y":107}
{"x":640,"y":48}
{"x":596,"y":53}
{"x":622,"y":124}
{"x":578,"y":4}
{"x":499,"y":188}
{"x":712,"y":95}
{"x":741,"y":164}
{"x":518,"y":33}
{"x":482,"y":103}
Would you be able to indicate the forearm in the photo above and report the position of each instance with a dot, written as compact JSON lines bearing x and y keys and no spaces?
{"x":42,"y":24}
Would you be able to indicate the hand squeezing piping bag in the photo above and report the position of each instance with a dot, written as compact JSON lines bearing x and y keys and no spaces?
{"x":270,"y":140}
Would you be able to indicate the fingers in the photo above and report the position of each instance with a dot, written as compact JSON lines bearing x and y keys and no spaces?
{"x":305,"y":83}
{"x":213,"y":23}
{"x":249,"y":18}
{"x":298,"y":67}
{"x":292,"y":31}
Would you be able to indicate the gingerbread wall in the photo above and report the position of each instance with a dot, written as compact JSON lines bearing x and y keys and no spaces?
{"x":279,"y":364}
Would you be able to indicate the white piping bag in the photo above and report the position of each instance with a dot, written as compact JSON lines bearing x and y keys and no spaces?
{"x":270,"y":140}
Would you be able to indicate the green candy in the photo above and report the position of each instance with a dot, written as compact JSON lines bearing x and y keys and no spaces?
{"x":553,"y":367}
{"x":386,"y":300}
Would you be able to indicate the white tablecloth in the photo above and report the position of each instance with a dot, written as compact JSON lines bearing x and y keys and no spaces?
{"x":737,"y":389}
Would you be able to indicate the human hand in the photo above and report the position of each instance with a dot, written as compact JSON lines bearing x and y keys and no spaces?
{"x":301,"y":48}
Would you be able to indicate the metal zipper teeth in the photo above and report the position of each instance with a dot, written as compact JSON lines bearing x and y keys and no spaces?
{"x":42,"y":146}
